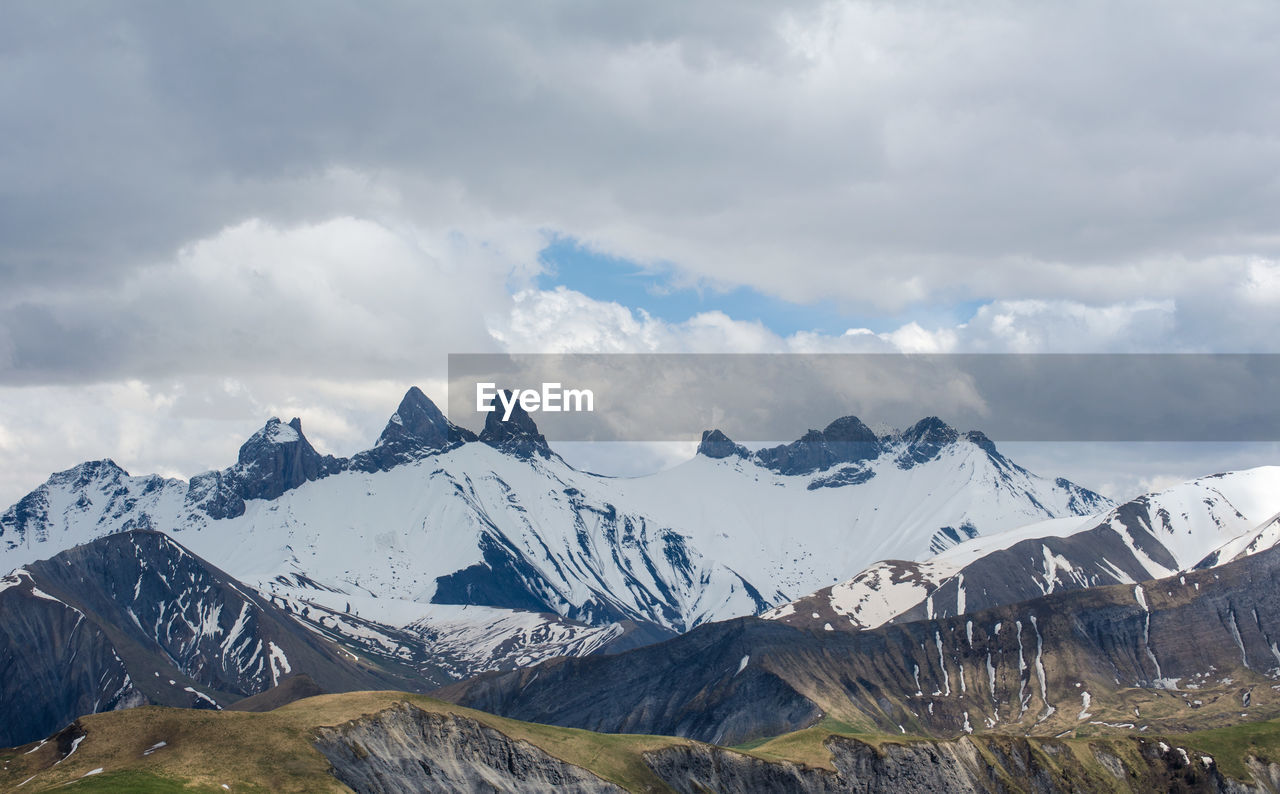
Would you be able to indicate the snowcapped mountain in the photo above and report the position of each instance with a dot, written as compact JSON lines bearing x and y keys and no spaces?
{"x":430,"y":516}
{"x":1202,"y":523}
{"x":436,"y":515}
{"x":440,"y":553}
{"x":450,"y":642}
{"x":135,"y":618}
{"x":1260,"y":539}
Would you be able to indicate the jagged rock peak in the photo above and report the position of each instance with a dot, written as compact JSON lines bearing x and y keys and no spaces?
{"x":931,"y":429}
{"x":715,"y":444}
{"x":846,"y":440}
{"x":517,"y":435}
{"x":980,"y":439}
{"x":284,"y":446}
{"x":83,"y":473}
{"x":849,"y":429}
{"x":417,"y":419}
{"x":273,"y":433}
{"x":416,"y":430}
{"x":275,"y":459}
{"x":924,"y":441}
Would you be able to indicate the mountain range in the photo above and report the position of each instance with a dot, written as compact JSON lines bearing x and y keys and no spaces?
{"x":433,"y":514}
{"x":915,"y":582}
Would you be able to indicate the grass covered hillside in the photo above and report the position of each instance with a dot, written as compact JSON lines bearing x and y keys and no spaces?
{"x":155,"y":749}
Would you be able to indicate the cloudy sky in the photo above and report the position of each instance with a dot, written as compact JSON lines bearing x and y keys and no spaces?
{"x":213,"y":213}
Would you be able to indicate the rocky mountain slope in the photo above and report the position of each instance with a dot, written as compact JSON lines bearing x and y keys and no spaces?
{"x":134,"y":618}
{"x":1192,"y":525}
{"x":434,"y":515}
{"x":1141,"y":654}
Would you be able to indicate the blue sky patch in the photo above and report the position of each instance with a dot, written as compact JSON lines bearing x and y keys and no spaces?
{"x":570,"y":264}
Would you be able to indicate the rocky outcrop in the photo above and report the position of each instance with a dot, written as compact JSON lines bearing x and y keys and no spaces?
{"x":517,"y":435}
{"x":715,"y":444}
{"x":1042,"y":666}
{"x":925,"y":439}
{"x":279,"y":458}
{"x":905,"y":769}
{"x":846,"y":450}
{"x":967,"y":766}
{"x":846,"y":440}
{"x":405,"y":749}
{"x":275,"y":459}
{"x":417,"y":429}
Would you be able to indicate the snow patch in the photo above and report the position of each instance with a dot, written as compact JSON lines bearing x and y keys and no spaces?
{"x":1085,"y":699}
{"x":75,"y":745}
{"x":279,"y":662}
{"x":203,"y":697}
{"x":281,"y":433}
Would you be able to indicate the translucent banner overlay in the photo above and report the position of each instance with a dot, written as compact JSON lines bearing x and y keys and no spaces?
{"x":769,"y":398}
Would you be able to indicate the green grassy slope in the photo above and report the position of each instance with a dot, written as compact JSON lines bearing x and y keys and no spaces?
{"x":207,"y":751}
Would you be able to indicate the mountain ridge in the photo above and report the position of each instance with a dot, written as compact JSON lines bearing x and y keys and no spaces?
{"x":138,"y":610}
{"x":510,"y":524}
{"x":1200,"y":642}
{"x":1187,"y":526}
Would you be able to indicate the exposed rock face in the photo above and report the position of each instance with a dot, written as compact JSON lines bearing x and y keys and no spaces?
{"x":279,"y":458}
{"x":925,"y":439}
{"x":1021,"y":668}
{"x":846,"y":440}
{"x":135,"y":618}
{"x":505,"y":578}
{"x":517,"y":435}
{"x":405,"y":749}
{"x":985,"y":764}
{"x":715,"y":444}
{"x":275,"y":459}
{"x":415,"y":430}
{"x":847,"y":450}
{"x":700,"y":685}
{"x":923,"y":767}
{"x":56,"y":665}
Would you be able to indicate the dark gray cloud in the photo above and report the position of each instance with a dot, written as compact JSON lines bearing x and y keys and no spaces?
{"x":776,"y":397}
{"x":318,"y":197}
{"x":344,"y":298}
{"x":985,"y":149}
